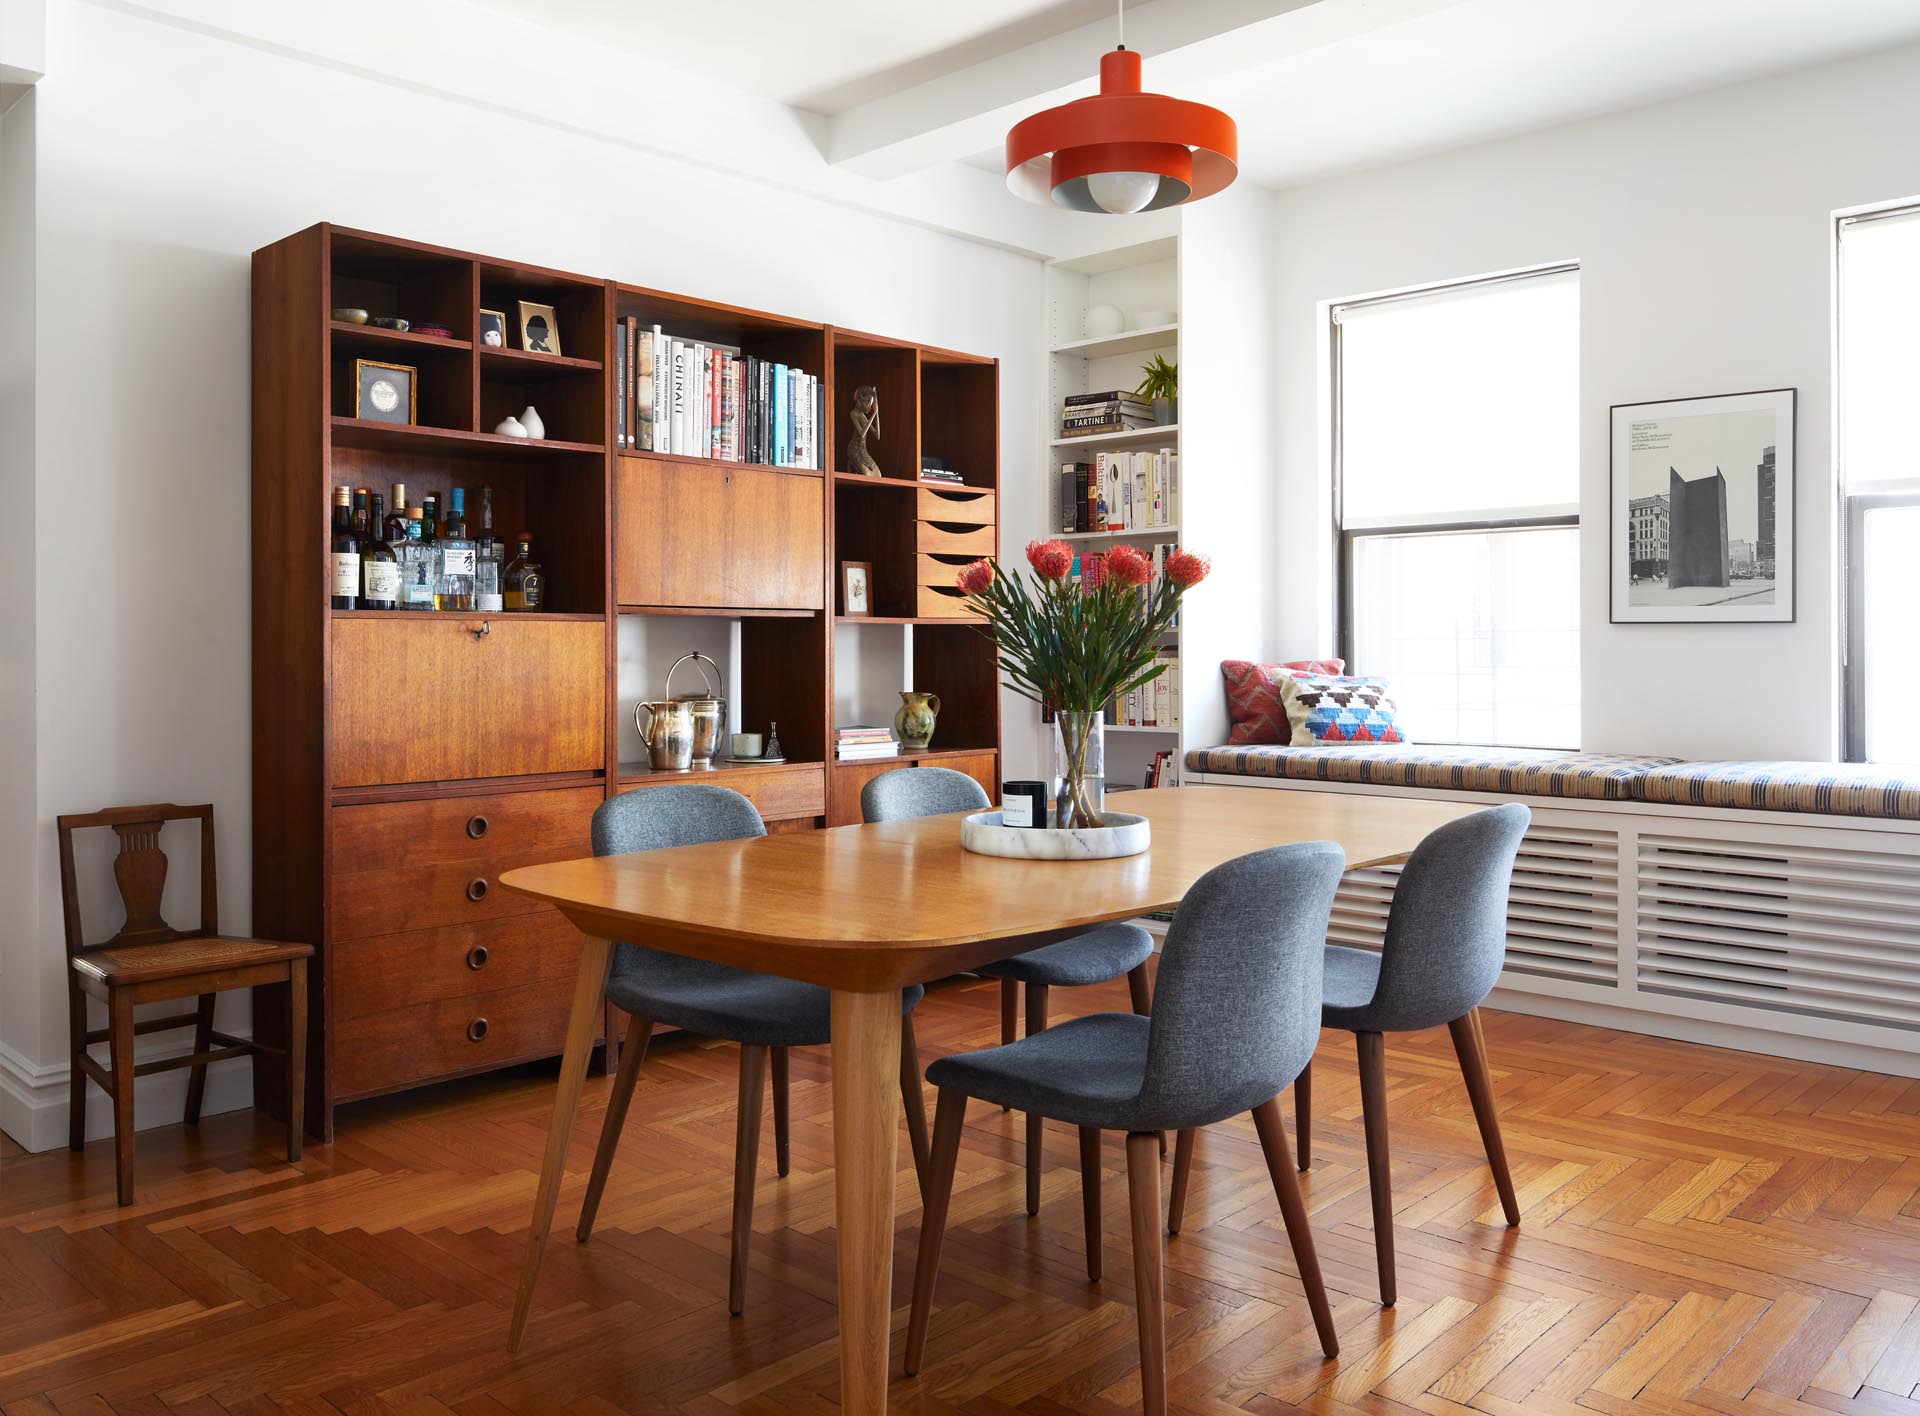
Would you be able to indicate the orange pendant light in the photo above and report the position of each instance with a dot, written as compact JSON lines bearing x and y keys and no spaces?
{"x":1122,"y":150}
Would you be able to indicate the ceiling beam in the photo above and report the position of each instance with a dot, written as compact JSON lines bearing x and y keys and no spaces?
{"x":1185,"y":41}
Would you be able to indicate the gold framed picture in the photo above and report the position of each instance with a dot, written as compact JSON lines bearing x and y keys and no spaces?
{"x":384,"y":393}
{"x":539,"y":328}
{"x":493,"y":329}
{"x":856,"y":587}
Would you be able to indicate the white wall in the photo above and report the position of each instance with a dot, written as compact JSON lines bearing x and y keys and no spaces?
{"x":1703,"y":231}
{"x":165,"y":155}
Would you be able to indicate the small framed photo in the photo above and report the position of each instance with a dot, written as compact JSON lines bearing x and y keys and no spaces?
{"x":1703,"y":510}
{"x":539,"y":328}
{"x":493,"y":329}
{"x":383,"y":393}
{"x":856,"y":587}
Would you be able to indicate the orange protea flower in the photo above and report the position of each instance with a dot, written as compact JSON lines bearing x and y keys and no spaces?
{"x":1053,"y":559}
{"x":975,"y":578}
{"x":1186,"y":569}
{"x":1128,"y":565}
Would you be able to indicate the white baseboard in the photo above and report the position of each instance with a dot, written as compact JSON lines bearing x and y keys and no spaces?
{"x":33,"y":1098}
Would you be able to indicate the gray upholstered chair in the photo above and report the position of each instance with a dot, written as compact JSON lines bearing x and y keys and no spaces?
{"x":764,"y":1014}
{"x":1236,"y":1019}
{"x":1445,"y":944}
{"x":1098,"y":956}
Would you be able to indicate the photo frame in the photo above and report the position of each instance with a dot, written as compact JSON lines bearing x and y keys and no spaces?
{"x":856,"y":588}
{"x":1702,"y":526}
{"x":539,"y":328}
{"x":385,"y":393}
{"x":493,"y":329}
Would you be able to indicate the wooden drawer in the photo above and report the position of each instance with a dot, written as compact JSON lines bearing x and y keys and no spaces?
{"x":432,"y":698}
{"x":777,"y":793}
{"x":962,"y":505}
{"x":431,"y":965}
{"x":403,"y":1047}
{"x":718,"y":534}
{"x":953,"y":539}
{"x":937,"y":601}
{"x":402,"y":834}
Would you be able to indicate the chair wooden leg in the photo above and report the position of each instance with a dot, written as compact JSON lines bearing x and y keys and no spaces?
{"x":296,"y":1058}
{"x":120,"y":1043}
{"x":77,"y":1079}
{"x":1471,"y":1047}
{"x":1036,"y":1023}
{"x":1373,"y":1108}
{"x":914,"y":1099}
{"x":1090,"y":1197}
{"x":1293,"y":1209}
{"x":1140,"y":991}
{"x":632,"y":1053}
{"x":1149,"y":1280}
{"x":1009,"y":1015}
{"x":948,"y":1116}
{"x":202,"y":1042}
{"x":746,"y":1156}
{"x":782,"y":1114}
{"x":1182,"y":1173}
{"x":1303,"y":1112}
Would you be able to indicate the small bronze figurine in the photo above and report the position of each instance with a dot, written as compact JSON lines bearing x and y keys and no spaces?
{"x":865,"y":417}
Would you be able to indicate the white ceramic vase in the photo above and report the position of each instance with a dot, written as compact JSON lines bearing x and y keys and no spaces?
{"x":510,"y":427}
{"x":1104,"y":320}
{"x":530,"y":420}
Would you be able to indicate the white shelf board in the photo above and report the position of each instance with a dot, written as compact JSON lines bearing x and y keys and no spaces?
{"x":1135,"y":728}
{"x":1147,"y":531}
{"x":1126,"y":342}
{"x":1166,"y":433}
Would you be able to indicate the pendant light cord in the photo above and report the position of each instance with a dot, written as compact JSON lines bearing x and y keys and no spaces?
{"x":1120,"y":23}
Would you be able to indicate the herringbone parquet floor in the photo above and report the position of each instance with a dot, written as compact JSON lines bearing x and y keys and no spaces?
{"x":1706,"y":1233}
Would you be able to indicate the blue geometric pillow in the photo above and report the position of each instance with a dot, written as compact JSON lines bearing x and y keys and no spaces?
{"x":1328,"y":709}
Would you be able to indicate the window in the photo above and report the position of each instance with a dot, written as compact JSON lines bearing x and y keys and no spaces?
{"x":1879,"y":338}
{"x":1456,"y":456}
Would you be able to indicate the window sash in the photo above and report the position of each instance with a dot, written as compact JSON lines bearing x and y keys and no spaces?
{"x":1854,"y":671}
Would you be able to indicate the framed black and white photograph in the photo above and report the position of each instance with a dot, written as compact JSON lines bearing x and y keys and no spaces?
{"x":1702,"y":492}
{"x":539,"y":328}
{"x":383,"y":393}
{"x":493,"y":329}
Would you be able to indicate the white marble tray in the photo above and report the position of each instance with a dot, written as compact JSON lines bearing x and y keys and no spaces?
{"x":1123,"y":835}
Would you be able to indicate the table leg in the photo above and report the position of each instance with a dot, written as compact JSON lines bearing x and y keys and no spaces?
{"x":866,"y":1065}
{"x":589,"y":998}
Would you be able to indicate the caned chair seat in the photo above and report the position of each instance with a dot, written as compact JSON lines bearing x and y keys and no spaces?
{"x":181,"y":958}
{"x":753,"y":1009}
{"x":1098,"y":956}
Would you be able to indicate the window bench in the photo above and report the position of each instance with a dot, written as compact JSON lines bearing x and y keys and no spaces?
{"x":1770,"y":906}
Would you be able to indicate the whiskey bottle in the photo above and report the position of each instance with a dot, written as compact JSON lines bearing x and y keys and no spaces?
{"x":487,"y":545}
{"x":379,"y":566}
{"x":453,"y":583}
{"x":346,"y":552}
{"x":455,"y":524}
{"x":362,"y":521}
{"x":526,"y":584}
{"x":416,"y":565}
{"x":395,"y":529}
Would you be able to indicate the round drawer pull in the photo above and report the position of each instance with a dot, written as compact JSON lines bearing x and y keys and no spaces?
{"x":477,"y":1030}
{"x":477,"y":890}
{"x":477,"y":957}
{"x":476,"y":826}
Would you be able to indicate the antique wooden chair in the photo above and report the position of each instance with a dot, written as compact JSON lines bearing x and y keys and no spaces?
{"x":148,"y":961}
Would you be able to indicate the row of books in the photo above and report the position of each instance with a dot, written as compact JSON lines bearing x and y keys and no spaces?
{"x":1165,"y":771}
{"x":861,"y":741}
{"x":1090,"y":572}
{"x":1156,"y":704}
{"x":1120,"y":491}
{"x":691,"y":399}
{"x":1112,"y":411}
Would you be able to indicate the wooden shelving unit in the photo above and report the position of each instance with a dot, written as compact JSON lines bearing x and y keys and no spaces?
{"x":402,"y":761}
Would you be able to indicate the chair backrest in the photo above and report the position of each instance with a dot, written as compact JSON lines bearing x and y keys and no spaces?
{"x":1446,"y":938}
{"x":655,"y":818}
{"x":1236,"y":1004}
{"x":907,"y":792}
{"x":140,"y":872}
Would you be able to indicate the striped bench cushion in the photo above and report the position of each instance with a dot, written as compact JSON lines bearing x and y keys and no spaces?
{"x":1831,"y":788}
{"x":1595,"y":776}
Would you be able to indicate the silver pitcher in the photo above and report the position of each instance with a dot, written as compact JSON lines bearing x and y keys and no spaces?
{"x":708,"y":710}
{"x":667,"y":734}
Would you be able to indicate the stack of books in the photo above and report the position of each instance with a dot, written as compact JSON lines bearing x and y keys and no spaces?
{"x":933,"y":469}
{"x":858,"y":743}
{"x":691,"y":399}
{"x":1113,"y":411}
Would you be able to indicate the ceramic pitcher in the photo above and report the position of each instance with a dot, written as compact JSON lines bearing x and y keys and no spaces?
{"x":914,"y":721}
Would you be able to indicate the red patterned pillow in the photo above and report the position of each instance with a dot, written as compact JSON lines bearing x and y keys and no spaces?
{"x":1254,"y":706}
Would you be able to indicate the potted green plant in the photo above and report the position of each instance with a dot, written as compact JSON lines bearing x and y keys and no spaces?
{"x":1160,"y":382}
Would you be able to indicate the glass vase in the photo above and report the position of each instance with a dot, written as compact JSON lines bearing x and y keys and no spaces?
{"x":1079,"y":769}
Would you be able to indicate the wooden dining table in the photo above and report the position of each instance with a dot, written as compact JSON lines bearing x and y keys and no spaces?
{"x":868,"y":910}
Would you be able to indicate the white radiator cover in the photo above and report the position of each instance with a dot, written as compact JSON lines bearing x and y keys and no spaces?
{"x":1789,"y":934}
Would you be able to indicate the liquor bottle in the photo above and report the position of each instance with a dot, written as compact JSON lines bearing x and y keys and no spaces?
{"x":362,"y":522}
{"x":395,"y":530}
{"x":453,"y":582}
{"x":416,"y":566}
{"x":346,"y":552}
{"x":526,"y":584}
{"x":379,"y":566}
{"x":487,"y":545}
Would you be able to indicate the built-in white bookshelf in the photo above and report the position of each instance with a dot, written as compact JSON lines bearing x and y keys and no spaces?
{"x":1142,"y":282}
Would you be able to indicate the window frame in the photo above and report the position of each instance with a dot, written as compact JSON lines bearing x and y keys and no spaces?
{"x":1854,"y":506}
{"x":1344,"y":537}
